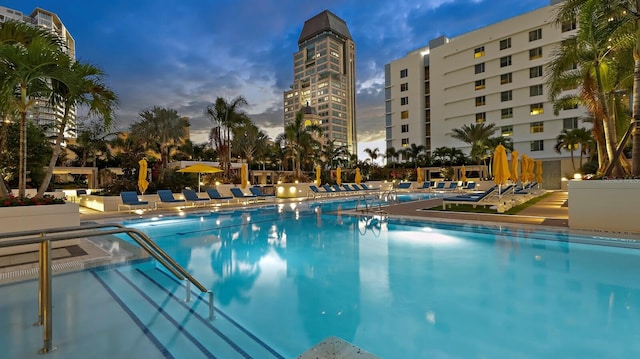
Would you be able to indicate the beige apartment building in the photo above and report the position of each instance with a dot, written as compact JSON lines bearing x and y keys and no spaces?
{"x":495,"y":74}
{"x":324,"y":79}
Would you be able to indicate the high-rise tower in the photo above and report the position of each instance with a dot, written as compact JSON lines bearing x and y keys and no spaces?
{"x":324,"y":78}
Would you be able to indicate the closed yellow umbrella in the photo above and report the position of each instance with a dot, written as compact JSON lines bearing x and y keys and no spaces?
{"x":143,"y":184}
{"x":539,"y":171}
{"x":419,"y":175}
{"x":463,"y":173}
{"x":358,"y":178}
{"x":530,"y":175}
{"x":243,"y":175}
{"x":318,"y":175}
{"x":339,"y":176}
{"x":523,"y":173}
{"x":514,"y":166}
{"x":500,"y":166}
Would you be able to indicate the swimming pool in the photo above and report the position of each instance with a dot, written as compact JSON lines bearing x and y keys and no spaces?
{"x":290,"y":276}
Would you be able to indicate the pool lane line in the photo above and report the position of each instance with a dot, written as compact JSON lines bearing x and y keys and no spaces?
{"x":226,"y":316}
{"x":165,"y":352}
{"x":179,"y":326}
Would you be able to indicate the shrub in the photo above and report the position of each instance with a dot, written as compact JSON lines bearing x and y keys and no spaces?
{"x":13,"y":201}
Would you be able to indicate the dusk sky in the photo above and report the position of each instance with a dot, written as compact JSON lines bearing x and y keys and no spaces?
{"x":185,"y":54}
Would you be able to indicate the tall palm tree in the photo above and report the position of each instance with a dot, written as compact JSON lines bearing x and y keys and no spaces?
{"x":475,"y":135}
{"x":391,"y":155}
{"x":83,"y":86}
{"x":225,"y":114}
{"x":333,"y":155}
{"x":372,"y":153}
{"x":300,"y":136}
{"x":414,"y":152}
{"x":569,"y":141}
{"x":161,"y":128}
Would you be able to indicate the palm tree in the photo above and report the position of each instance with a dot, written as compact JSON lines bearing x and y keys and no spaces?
{"x":414,"y":152}
{"x":372,"y":153}
{"x":161,"y":128}
{"x":391,"y":155}
{"x":30,"y":59}
{"x":83,"y":87}
{"x":568,"y":140}
{"x":225,"y":115}
{"x":300,"y":137}
{"x":334,"y":155}
{"x":475,"y":135}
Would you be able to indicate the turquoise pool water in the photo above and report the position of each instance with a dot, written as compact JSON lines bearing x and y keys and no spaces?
{"x":292,"y":275}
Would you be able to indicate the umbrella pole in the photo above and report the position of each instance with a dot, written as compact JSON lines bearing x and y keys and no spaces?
{"x":198,"y":182}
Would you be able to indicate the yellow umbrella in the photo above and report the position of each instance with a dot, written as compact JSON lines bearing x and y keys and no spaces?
{"x":200,"y":168}
{"x":419,"y":175}
{"x":530,"y":175}
{"x":243,"y":175}
{"x":142,"y":176}
{"x":463,"y":174}
{"x":514,"y":166}
{"x":338,"y":176}
{"x":539,"y":171}
{"x":317,"y":175}
{"x":500,"y":166}
{"x":358,"y":178}
{"x":523,"y":173}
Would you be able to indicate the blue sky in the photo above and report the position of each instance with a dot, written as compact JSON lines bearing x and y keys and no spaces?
{"x":185,"y":54}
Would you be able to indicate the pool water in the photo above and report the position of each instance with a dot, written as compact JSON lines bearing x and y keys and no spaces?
{"x":293,"y":275}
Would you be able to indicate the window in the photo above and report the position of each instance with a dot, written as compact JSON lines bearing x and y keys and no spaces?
{"x":535,"y":72}
{"x":481,"y":117}
{"x":535,"y":90}
{"x":404,"y":73}
{"x":535,"y":53}
{"x":480,"y":84}
{"x":506,"y":78}
{"x":404,"y":101}
{"x":480,"y":101}
{"x":536,"y":127}
{"x":537,"y":145}
{"x":507,"y":131}
{"x":478,"y":52}
{"x":405,"y":128}
{"x":404,"y":115}
{"x":505,"y":43}
{"x":405,"y":142}
{"x":535,"y":35}
{"x":570,"y":123}
{"x":506,"y":113}
{"x":568,"y":25}
{"x":505,"y":61}
{"x":506,"y":96}
{"x":479,"y":68}
{"x":537,"y":109}
{"x":404,"y":87}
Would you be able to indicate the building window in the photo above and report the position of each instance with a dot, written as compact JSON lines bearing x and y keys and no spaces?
{"x":535,"y":90}
{"x":404,"y":73}
{"x":535,"y":35}
{"x":537,"y":145}
{"x":405,"y":142}
{"x":404,"y":115}
{"x":480,"y":84}
{"x":570,"y":123}
{"x":404,"y":86}
{"x":481,"y":117}
{"x":480,"y":101}
{"x":506,"y":113}
{"x":536,"y":127}
{"x":537,"y":109}
{"x":568,"y":25}
{"x":507,"y":131}
{"x":535,"y":53}
{"x":404,"y":128}
{"x":404,"y":101}
{"x":479,"y":68}
{"x":535,"y":72}
{"x":506,"y":78}
{"x":478,"y":52}
{"x":506,"y":96}
{"x":505,"y":43}
{"x":505,"y":61}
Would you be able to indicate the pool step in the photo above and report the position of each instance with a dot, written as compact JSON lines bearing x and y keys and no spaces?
{"x":155,"y":301}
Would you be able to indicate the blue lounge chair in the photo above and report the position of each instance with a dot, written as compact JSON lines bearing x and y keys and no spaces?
{"x":191,"y":196}
{"x":348,"y":188}
{"x":238,"y":194}
{"x":474,"y":199}
{"x":256,"y":191}
{"x":131,"y":201}
{"x":366,"y":188}
{"x":440,"y":186}
{"x":453,"y":185}
{"x":426,"y":186}
{"x":216,"y":196}
{"x":404,"y":186}
{"x":166,"y":196}
{"x":317,"y":192}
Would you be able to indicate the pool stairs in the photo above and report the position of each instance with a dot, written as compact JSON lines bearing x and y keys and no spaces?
{"x":155,"y":301}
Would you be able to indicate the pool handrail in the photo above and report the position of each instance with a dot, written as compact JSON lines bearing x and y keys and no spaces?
{"x":43,"y":238}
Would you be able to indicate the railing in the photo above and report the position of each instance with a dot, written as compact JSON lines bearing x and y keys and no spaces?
{"x":44,"y":239}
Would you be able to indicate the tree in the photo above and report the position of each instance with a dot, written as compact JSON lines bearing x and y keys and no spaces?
{"x":225,"y":115}
{"x":334,"y":156}
{"x":569,"y":141}
{"x":475,"y":135}
{"x":372,"y":153}
{"x":300,"y":137}
{"x":392,"y":156}
{"x":249,"y":140}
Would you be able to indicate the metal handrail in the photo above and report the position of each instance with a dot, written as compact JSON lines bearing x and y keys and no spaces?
{"x":63,"y":233}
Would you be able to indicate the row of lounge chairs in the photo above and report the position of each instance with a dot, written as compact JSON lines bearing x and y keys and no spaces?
{"x":438,"y":186}
{"x":502,"y":198}
{"x":339,"y":190}
{"x":131,"y":201}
